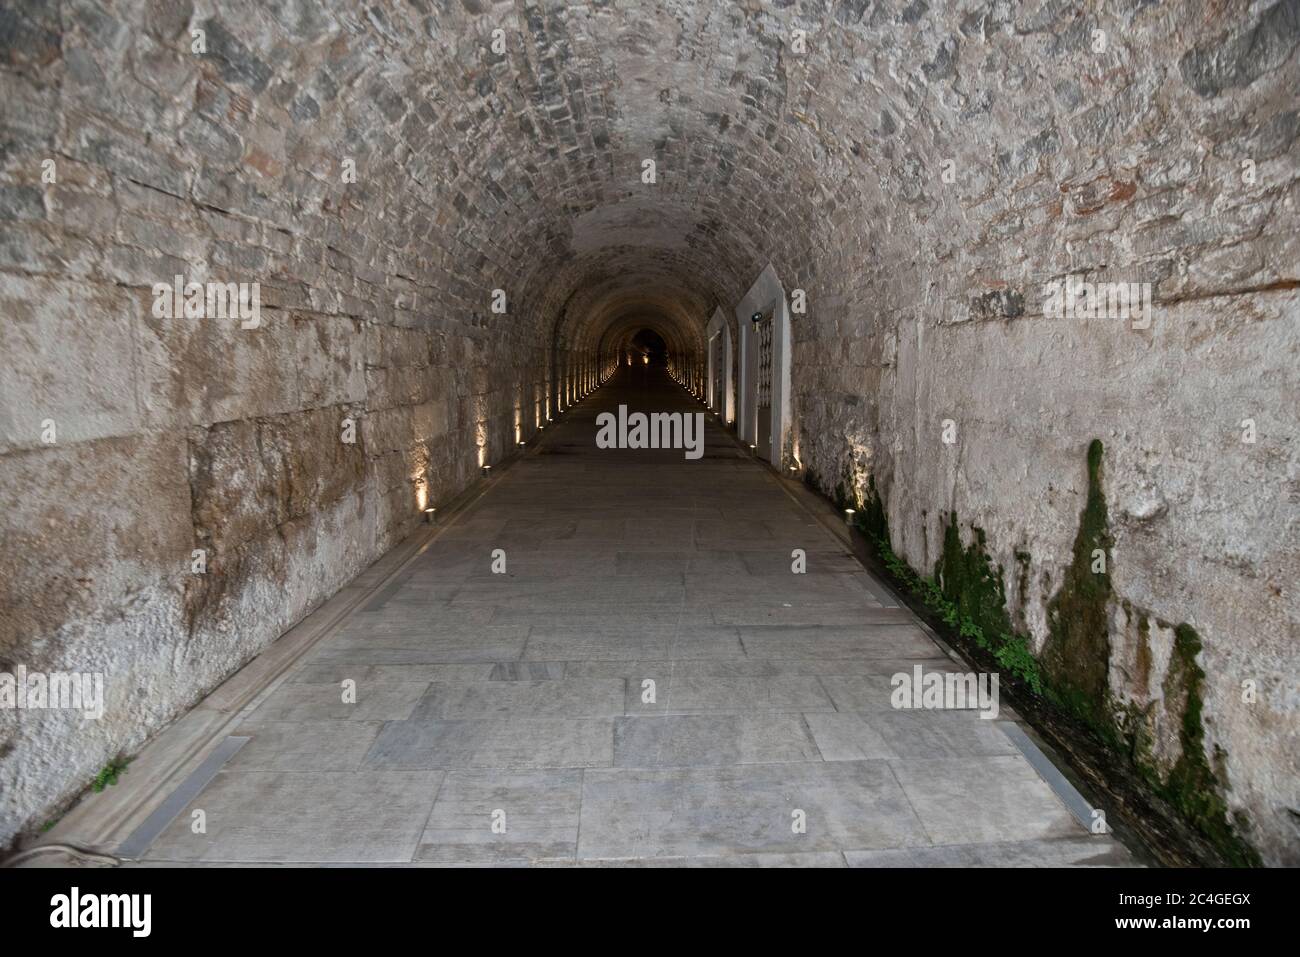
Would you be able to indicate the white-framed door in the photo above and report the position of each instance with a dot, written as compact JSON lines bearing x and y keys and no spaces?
{"x":720,"y":385}
{"x":765,"y":367}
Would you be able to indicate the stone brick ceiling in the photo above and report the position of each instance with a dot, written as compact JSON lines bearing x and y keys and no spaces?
{"x":534,"y":156}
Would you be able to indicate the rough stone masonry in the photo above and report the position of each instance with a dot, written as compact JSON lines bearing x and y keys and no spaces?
{"x":443,"y":205}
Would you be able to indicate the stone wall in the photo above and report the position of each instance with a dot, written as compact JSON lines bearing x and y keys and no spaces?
{"x":176,"y":435}
{"x":920,"y":170}
{"x":1170,"y":159}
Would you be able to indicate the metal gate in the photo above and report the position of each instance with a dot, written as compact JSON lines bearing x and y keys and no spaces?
{"x":764,"y":431}
{"x":765,"y":362}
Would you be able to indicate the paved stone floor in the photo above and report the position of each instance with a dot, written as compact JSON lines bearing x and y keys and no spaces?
{"x":519,"y":697}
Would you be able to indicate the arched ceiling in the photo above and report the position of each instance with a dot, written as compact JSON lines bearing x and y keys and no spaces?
{"x":525,"y":165}
{"x":501,"y":145}
{"x":622,"y":284}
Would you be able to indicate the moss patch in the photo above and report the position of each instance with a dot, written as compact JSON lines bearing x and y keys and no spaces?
{"x":968,"y":593}
{"x":1076,"y":654}
{"x":109,"y":774}
{"x":965,"y":592}
{"x":873,"y":520}
{"x":970,"y":581}
{"x":1193,"y":786}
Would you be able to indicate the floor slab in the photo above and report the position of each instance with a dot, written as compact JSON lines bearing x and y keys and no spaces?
{"x":504,"y":816}
{"x":745,"y":808}
{"x":312,"y":817}
{"x":668,"y":741}
{"x":985,"y":799}
{"x":518,"y":742}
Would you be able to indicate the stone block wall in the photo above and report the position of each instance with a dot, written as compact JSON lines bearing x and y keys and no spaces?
{"x":1019,"y":144}
{"x":128,"y":159}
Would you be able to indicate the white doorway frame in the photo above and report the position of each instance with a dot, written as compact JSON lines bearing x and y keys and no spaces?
{"x":721,"y":395}
{"x":765,"y":295}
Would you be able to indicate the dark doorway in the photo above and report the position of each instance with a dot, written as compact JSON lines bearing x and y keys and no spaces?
{"x":648,"y":347}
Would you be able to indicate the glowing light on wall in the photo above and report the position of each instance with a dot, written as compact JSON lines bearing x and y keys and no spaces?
{"x":860,"y":470}
{"x":481,"y":428}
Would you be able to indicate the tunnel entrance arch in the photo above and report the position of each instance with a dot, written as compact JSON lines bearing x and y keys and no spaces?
{"x":649,"y":348}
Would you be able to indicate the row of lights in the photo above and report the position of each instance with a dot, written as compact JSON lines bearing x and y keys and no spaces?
{"x":522,"y":444}
{"x":430,"y":513}
{"x":794,"y":468}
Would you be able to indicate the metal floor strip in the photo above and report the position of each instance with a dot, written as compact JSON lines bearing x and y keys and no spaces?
{"x":1067,"y":792}
{"x":879,"y":592}
{"x":392,"y":588}
{"x":139,"y":840}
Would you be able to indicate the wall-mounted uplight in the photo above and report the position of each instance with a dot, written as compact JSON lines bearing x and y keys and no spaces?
{"x":521,"y":443}
{"x":753,"y":448}
{"x":429,"y":515}
{"x":487,"y":470}
{"x":848,"y":515}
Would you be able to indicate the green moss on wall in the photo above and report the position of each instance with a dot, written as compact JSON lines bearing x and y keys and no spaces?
{"x":970,"y":581}
{"x":1023,"y":559}
{"x":1076,"y":655}
{"x":1194,"y":786}
{"x":1072,"y":671}
{"x":966,"y":593}
{"x":873,"y":519}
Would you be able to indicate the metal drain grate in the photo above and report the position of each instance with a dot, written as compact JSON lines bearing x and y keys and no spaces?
{"x":139,"y":840}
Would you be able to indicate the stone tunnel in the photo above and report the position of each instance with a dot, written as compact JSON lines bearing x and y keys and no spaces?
{"x":311,"y":311}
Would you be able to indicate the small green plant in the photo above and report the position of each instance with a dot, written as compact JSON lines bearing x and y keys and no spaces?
{"x":1010,"y":651}
{"x":109,"y":774}
{"x":1014,"y":655}
{"x":973,"y":632}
